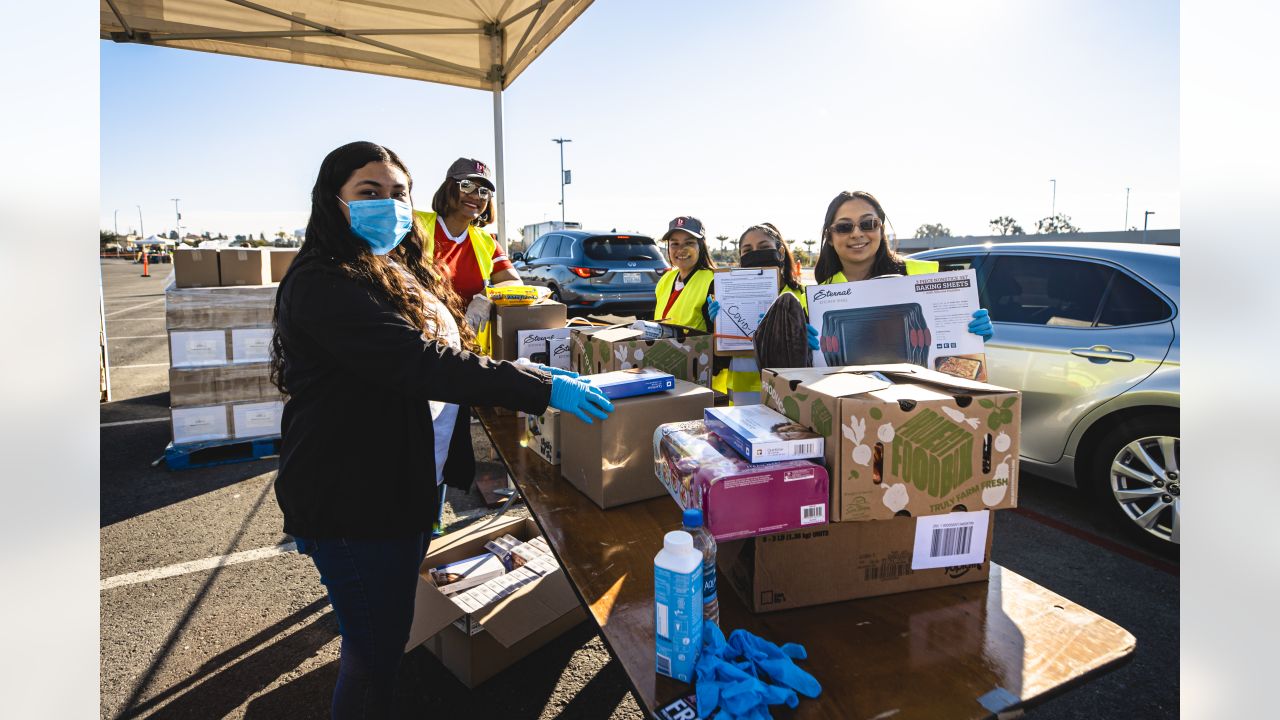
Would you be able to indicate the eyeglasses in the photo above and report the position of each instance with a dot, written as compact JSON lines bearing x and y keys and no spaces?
{"x":473,"y":188}
{"x":866,"y":225}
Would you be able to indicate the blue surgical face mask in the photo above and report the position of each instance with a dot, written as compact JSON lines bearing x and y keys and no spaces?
{"x":381,"y":223}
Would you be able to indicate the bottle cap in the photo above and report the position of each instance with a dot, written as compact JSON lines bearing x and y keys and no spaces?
{"x":678,"y":541}
{"x":693,"y":518}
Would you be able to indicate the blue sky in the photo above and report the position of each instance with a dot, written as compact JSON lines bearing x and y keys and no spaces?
{"x":948,"y":112}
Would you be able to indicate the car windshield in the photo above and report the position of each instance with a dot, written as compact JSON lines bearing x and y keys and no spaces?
{"x":621,"y":247}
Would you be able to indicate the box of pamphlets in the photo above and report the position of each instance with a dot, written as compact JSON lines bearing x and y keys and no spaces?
{"x":481,"y":630}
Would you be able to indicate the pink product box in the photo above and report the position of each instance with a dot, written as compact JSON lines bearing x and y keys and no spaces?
{"x":738,"y":500}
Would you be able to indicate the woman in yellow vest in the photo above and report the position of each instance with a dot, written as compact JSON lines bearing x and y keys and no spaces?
{"x":684,"y":291}
{"x":854,"y":247}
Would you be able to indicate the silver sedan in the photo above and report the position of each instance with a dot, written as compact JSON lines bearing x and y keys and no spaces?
{"x":1089,"y":333}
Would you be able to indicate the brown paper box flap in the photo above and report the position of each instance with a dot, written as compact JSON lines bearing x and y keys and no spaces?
{"x":842,"y":384}
{"x":432,"y":612}
{"x":916,"y":373}
{"x":528,"y":609}
{"x":621,"y":334}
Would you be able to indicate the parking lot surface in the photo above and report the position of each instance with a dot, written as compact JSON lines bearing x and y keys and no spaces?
{"x":207,"y":611}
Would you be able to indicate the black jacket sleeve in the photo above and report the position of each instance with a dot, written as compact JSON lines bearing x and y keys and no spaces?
{"x":363,"y":333}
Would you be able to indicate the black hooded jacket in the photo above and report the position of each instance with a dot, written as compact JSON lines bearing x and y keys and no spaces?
{"x":357,"y":453}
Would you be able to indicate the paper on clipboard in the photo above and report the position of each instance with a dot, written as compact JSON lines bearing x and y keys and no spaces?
{"x":744,"y":295}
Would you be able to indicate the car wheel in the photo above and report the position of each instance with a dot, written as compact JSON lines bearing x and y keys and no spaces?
{"x":555,"y":294}
{"x":1137,"y":477}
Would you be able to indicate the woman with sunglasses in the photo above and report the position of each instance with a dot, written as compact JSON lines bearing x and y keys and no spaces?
{"x":854,"y":247}
{"x":684,"y":291}
{"x":467,"y":255}
{"x":371,"y":349}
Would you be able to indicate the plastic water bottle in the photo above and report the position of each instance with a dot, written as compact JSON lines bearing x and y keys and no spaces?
{"x":677,"y":600}
{"x":705,"y":543}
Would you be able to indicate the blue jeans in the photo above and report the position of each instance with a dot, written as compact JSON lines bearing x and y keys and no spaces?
{"x":372,"y":585}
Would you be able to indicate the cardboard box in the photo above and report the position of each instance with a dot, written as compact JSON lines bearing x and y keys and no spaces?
{"x":841,"y":561}
{"x":529,"y":618}
{"x":217,"y":308}
{"x":762,"y":435}
{"x":251,"y":345}
{"x":193,"y":387}
{"x":597,"y":350}
{"x":195,"y":268}
{"x":905,"y":440}
{"x":199,"y":424}
{"x":737,"y":499}
{"x":244,"y":266}
{"x":542,"y":435}
{"x":509,"y":320}
{"x":256,"y":419}
{"x":546,"y":347}
{"x":281,"y":259}
{"x":611,"y":460}
{"x":197,"y":348}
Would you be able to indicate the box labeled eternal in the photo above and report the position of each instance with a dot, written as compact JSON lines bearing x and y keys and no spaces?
{"x":686,"y":356}
{"x":608,"y":461}
{"x":918,"y":319}
{"x":509,"y":320}
{"x":530,"y":616}
{"x":542,"y":435}
{"x":841,"y":561}
{"x":760,"y":434}
{"x":905,"y":440}
{"x":737,"y":499}
{"x":546,"y":347}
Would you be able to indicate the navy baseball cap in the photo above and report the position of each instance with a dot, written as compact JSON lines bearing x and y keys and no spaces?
{"x":470,"y":169}
{"x":687,"y":223}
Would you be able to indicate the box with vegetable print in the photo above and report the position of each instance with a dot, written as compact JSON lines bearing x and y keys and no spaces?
{"x":687,"y":356}
{"x":902,"y":440}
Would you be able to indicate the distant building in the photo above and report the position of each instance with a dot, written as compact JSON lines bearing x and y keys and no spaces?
{"x":1153,"y":237}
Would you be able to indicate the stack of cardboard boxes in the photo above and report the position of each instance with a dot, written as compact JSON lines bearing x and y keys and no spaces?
{"x":218,"y":317}
{"x":918,"y":461}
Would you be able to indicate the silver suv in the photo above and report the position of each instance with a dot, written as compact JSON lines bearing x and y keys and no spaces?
{"x":1089,"y":333}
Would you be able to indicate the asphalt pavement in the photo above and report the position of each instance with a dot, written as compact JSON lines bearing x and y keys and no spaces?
{"x":249,"y":634}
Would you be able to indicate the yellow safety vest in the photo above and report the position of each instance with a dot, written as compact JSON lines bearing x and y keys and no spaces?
{"x":481,"y":241}
{"x":687,"y":309}
{"x":914,"y":267}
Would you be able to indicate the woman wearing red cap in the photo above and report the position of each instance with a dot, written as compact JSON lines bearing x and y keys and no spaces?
{"x":467,"y":255}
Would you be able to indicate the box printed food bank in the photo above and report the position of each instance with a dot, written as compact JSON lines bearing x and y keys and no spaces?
{"x":598,"y":350}
{"x":477,"y":645}
{"x":905,"y":440}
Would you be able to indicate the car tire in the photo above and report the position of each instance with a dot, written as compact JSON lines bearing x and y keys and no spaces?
{"x":555,"y":294}
{"x":1136,"y":477}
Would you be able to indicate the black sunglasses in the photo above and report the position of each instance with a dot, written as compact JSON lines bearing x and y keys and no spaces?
{"x":866,"y":225}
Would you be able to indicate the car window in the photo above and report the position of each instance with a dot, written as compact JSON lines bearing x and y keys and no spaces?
{"x":621,"y":247}
{"x":1046,"y":290}
{"x":561,"y":247}
{"x":954,"y":263}
{"x":1129,"y":302}
{"x":538,"y":245}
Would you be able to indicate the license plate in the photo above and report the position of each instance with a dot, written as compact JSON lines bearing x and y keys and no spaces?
{"x":631,"y":278}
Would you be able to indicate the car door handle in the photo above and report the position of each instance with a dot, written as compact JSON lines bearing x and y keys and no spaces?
{"x":1102,"y":353}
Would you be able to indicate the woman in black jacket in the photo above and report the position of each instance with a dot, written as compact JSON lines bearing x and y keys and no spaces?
{"x":372,"y":350}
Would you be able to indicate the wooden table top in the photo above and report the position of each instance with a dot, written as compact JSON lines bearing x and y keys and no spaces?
{"x":965,"y":651}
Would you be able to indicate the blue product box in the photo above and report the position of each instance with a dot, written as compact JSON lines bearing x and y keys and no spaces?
{"x":629,"y":383}
{"x":761,"y":434}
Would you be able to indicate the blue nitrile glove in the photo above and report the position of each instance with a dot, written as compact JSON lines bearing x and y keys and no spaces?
{"x":732,"y":683}
{"x":713,"y":308}
{"x":812,"y":335}
{"x":981,"y":325}
{"x":579,"y":397}
{"x":545,"y":368}
{"x":776,"y":661}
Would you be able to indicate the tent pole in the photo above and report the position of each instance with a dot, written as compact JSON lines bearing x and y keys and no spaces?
{"x":500,"y":195}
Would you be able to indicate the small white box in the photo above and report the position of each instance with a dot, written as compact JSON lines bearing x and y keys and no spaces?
{"x":546,"y":347}
{"x":256,"y":419}
{"x":197,"y":348}
{"x":199,"y":424}
{"x":249,"y":345}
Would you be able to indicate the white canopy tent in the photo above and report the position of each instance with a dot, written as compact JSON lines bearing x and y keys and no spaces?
{"x":480,"y":44}
{"x":155,"y":240}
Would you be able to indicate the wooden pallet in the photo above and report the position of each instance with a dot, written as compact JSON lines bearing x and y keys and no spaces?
{"x":220,"y":452}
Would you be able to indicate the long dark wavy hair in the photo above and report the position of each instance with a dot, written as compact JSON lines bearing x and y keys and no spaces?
{"x":789,"y":275}
{"x":330,"y":240}
{"x":887,"y":260}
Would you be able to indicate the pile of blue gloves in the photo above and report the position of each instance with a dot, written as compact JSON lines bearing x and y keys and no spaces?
{"x":744,"y":676}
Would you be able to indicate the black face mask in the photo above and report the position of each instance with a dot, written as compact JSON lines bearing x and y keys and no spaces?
{"x":771,"y":257}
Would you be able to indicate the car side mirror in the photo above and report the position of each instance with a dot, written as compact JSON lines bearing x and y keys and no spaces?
{"x":517,"y":257}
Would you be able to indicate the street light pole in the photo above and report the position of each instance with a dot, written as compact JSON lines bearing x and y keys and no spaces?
{"x":561,"y":142}
{"x":1126,"y":209}
{"x":1146,"y":214}
{"x":115,"y":222}
{"x":142,"y":233}
{"x":1053,"y":209}
{"x":177,"y":223}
